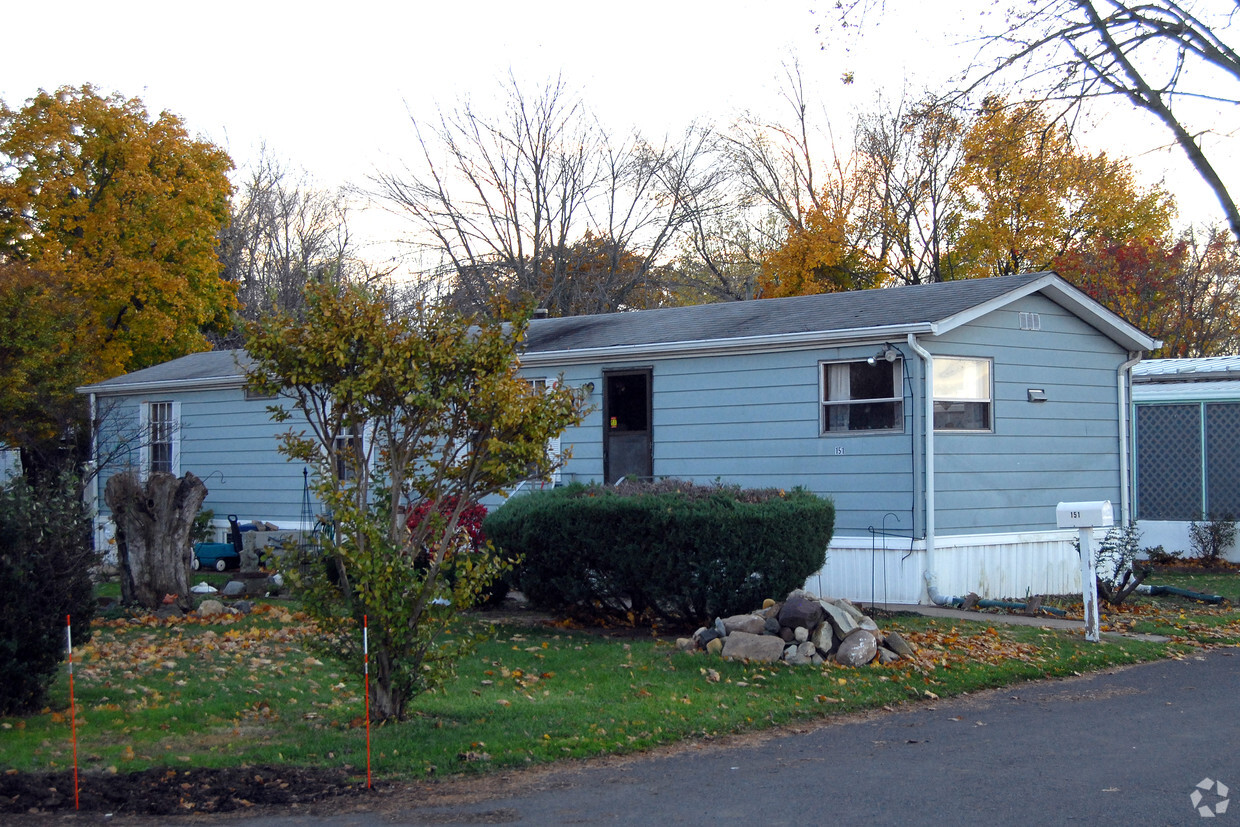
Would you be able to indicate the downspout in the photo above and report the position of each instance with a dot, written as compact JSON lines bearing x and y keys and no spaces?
{"x":1122,"y":374}
{"x":928,"y":424}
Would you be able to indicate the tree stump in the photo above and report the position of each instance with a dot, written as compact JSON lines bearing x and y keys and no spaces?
{"x":153,"y":526}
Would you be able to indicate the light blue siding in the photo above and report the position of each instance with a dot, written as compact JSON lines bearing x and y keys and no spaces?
{"x":229,"y":442}
{"x":754,"y":420}
{"x":1039,"y":453}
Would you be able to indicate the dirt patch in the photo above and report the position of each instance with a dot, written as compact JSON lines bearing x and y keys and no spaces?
{"x":173,"y":791}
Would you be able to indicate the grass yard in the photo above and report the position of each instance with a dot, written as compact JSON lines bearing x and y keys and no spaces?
{"x":248,"y":692}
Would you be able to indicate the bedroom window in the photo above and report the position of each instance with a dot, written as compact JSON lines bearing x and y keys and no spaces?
{"x":858,"y":396}
{"x":348,"y":454}
{"x":962,"y":394}
{"x":160,"y":428}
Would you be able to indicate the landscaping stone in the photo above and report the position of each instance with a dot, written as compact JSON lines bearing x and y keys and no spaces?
{"x":858,"y":649}
{"x":800,"y":610}
{"x":800,"y":634}
{"x":209,"y":608}
{"x":233,"y":588}
{"x":751,"y":623}
{"x":841,"y":620}
{"x":745,"y":646}
{"x":896,"y":643}
{"x":823,"y":638}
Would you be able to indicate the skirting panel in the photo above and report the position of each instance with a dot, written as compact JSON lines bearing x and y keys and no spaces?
{"x":996,"y":566}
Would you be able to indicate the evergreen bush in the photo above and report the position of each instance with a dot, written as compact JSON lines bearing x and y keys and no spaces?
{"x":45,"y":563}
{"x":673,"y":549}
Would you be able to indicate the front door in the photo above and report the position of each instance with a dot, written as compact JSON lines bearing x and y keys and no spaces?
{"x":627,"y":443}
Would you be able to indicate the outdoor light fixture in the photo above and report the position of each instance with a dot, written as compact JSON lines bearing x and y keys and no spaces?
{"x":588,"y":387}
{"x":888,"y":353}
{"x":1037,"y":395}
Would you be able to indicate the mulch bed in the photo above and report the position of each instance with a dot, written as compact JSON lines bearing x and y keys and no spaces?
{"x":171,"y":790}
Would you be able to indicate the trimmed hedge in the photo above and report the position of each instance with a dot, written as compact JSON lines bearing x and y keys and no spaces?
{"x":681,"y":551}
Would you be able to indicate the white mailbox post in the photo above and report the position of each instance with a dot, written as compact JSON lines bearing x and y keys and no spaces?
{"x":1086,"y":516}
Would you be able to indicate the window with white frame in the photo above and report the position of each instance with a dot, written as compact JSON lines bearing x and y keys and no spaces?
{"x":348,"y":454}
{"x":160,"y":451}
{"x":962,"y":394}
{"x":858,"y":396}
{"x":540,"y":385}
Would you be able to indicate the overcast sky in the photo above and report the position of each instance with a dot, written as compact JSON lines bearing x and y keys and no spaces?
{"x":330,"y":86}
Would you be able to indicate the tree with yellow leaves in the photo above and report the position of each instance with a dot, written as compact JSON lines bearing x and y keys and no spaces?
{"x":119,"y":215}
{"x":1030,"y":195}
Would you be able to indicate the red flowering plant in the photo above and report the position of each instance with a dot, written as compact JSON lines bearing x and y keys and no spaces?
{"x":469,"y":523}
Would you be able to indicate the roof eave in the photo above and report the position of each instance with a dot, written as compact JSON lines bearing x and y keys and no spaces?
{"x":180,"y":385}
{"x":720,"y":347}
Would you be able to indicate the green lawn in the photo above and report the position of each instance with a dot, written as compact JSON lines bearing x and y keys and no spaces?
{"x":187,"y":693}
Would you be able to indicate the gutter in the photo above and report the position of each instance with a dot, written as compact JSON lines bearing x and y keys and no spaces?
{"x":1124,"y":371}
{"x":928,"y":424}
{"x":717,"y":347}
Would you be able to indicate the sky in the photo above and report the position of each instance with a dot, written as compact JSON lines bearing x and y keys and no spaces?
{"x":330,"y":87}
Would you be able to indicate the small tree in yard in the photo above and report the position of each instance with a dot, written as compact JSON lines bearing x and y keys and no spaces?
{"x":420,"y":410}
{"x":45,"y":562}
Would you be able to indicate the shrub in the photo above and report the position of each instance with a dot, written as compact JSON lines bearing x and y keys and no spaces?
{"x":45,"y":563}
{"x":469,"y":524}
{"x":679,"y":551}
{"x":1212,"y":537}
{"x":1115,"y":563}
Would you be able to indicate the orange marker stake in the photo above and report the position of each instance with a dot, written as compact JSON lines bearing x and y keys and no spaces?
{"x":366,"y":665}
{"x":72,"y":710}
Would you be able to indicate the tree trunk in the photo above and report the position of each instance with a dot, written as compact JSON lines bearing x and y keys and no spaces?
{"x":153,"y":525}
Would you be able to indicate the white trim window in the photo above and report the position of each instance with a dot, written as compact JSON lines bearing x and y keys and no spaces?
{"x":862,"y":397}
{"x":160,"y":423}
{"x":962,"y":394}
{"x":554,"y":451}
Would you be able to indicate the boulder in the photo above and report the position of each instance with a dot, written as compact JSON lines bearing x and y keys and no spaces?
{"x":886,"y":656}
{"x":800,"y":634}
{"x":896,"y":643}
{"x":686,"y":644}
{"x":744,"y":646}
{"x":847,"y":606}
{"x":751,"y":623}
{"x":800,"y":610}
{"x":233,"y":588}
{"x":823,"y":637}
{"x":842,"y":621}
{"x":209,"y":608}
{"x":715,"y":645}
{"x":857,"y":649}
{"x":771,"y":626}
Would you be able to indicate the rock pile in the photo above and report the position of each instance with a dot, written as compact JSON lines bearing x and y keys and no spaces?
{"x":803,"y":629}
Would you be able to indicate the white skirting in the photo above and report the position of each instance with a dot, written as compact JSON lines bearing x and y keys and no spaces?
{"x":996,"y":566}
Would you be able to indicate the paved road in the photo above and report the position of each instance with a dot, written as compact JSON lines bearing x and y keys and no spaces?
{"x":1125,"y":747}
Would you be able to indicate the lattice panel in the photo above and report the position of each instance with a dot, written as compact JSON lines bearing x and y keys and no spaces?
{"x":1223,"y":459}
{"x":1169,"y":462}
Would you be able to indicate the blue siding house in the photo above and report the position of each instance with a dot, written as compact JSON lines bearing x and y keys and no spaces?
{"x":946,"y":421}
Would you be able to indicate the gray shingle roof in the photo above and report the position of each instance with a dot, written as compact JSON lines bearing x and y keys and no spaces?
{"x":213,"y":366}
{"x":858,"y":310}
{"x":866,"y":312}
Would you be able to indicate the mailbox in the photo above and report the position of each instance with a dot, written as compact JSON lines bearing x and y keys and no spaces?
{"x":1085,"y":514}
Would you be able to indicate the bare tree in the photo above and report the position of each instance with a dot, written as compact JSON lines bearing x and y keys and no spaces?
{"x":509,"y":201}
{"x":911,"y":157}
{"x":1168,"y":58}
{"x":284,"y":233}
